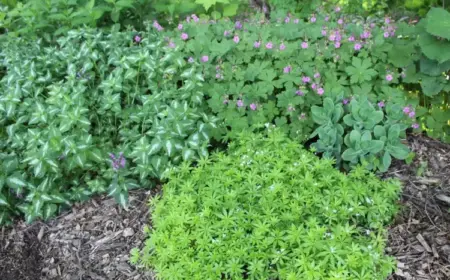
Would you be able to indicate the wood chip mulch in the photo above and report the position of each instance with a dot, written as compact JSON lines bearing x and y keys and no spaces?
{"x":420,"y":236}
{"x":91,"y":242}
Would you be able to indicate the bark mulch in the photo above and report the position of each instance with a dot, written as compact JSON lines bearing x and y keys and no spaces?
{"x":93,"y":240}
{"x":420,"y":236}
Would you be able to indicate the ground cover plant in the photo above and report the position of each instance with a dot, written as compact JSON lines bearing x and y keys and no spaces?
{"x":268,"y":209}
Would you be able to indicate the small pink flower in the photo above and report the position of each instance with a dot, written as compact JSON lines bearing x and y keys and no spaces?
{"x":240,"y":103}
{"x":195,"y":18}
{"x":253,"y":106}
{"x":304,"y":45}
{"x":327,"y":18}
{"x":313,"y":19}
{"x":406,"y":110}
{"x":205,"y":58}
{"x":238,"y":25}
{"x":387,"y":20}
{"x":236,"y":39}
{"x":357,"y":46}
{"x":180,"y":26}
{"x":381,"y":104}
{"x":191,"y":60}
{"x":337,"y":45}
{"x":340,"y":21}
{"x":351,"y":38}
{"x":302,"y":116}
{"x":282,"y":47}
{"x":337,"y":9}
{"x":269,"y":45}
{"x":218,"y":76}
{"x":345,"y":101}
{"x":137,"y":39}
{"x":386,"y":34}
{"x":366,"y":34}
{"x":306,"y":79}
{"x":411,"y":114}
{"x":299,"y":92}
{"x":184,"y":36}
{"x":332,"y":37}
{"x":257,"y":44}
{"x":287,"y":20}
{"x":226,"y":33}
{"x":171,"y":45}
{"x":372,"y":25}
{"x":314,"y":86}
{"x":287,"y":69}
{"x":389,"y":77}
{"x":415,"y":125}
{"x":324,"y":32}
{"x":317,"y":75}
{"x":320,"y":91}
{"x":296,"y":21}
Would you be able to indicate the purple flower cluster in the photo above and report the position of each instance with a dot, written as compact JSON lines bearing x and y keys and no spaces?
{"x":117,"y":162}
{"x":157,"y":26}
{"x":238,"y":25}
{"x":287,"y":69}
{"x":408,"y":110}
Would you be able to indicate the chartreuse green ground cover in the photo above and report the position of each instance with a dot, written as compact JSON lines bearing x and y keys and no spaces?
{"x":108,"y":111}
{"x":268,"y":209}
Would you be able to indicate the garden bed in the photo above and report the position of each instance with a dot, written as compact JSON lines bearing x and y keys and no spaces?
{"x":93,"y":240}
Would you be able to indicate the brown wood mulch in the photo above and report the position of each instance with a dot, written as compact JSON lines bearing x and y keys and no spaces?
{"x":93,"y":240}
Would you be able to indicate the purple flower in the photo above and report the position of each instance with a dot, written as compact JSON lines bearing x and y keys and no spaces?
{"x":257,"y":44}
{"x":327,"y":18}
{"x":320,"y":91}
{"x":236,"y":39}
{"x":324,"y":32}
{"x":238,"y":25}
{"x":287,"y":20}
{"x":386,"y":34}
{"x":205,"y":58}
{"x":184,"y":36}
{"x":313,"y":19}
{"x":389,"y":77}
{"x":180,"y":26}
{"x":372,"y":25}
{"x":411,"y":114}
{"x":351,"y":38}
{"x":218,"y":76}
{"x":296,"y":21}
{"x":226,"y":33}
{"x":253,"y":106}
{"x":337,"y":45}
{"x":269,"y":45}
{"x":137,"y":39}
{"x":332,"y":37}
{"x":337,"y":9}
{"x":195,"y":18}
{"x":304,"y":45}
{"x":406,"y":110}
{"x":157,"y":26}
{"x":240,"y":103}
{"x":172,"y":45}
{"x":282,"y":47}
{"x":340,"y":21}
{"x":345,"y":101}
{"x":306,"y":79}
{"x":387,"y":20}
{"x":117,"y":162}
{"x":366,"y":34}
{"x":314,"y":86}
{"x":357,"y":46}
{"x":191,"y":60}
{"x":287,"y":69}
{"x":317,"y":75}
{"x":415,"y":125}
{"x":299,"y":92}
{"x":381,"y":104}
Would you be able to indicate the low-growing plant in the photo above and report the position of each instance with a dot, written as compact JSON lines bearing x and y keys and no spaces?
{"x":269,"y":210}
{"x":355,"y":132}
{"x":96,"y":112}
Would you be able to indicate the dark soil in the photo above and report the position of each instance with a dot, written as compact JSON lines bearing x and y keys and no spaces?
{"x":93,"y":240}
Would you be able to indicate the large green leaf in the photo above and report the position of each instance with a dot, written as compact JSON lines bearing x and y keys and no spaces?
{"x":431,"y":86}
{"x":434,"y":48}
{"x":438,"y":23}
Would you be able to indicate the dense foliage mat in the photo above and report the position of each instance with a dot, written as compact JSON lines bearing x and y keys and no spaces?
{"x":270,"y":210}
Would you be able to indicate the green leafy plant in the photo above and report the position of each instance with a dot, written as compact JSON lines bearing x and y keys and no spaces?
{"x":360,"y":133}
{"x":97,"y":113}
{"x":269,"y":210}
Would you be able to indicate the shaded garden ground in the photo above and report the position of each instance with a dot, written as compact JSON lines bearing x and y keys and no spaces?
{"x":93,"y":241}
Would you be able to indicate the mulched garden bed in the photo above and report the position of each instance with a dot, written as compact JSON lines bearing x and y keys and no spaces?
{"x":94,"y":239}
